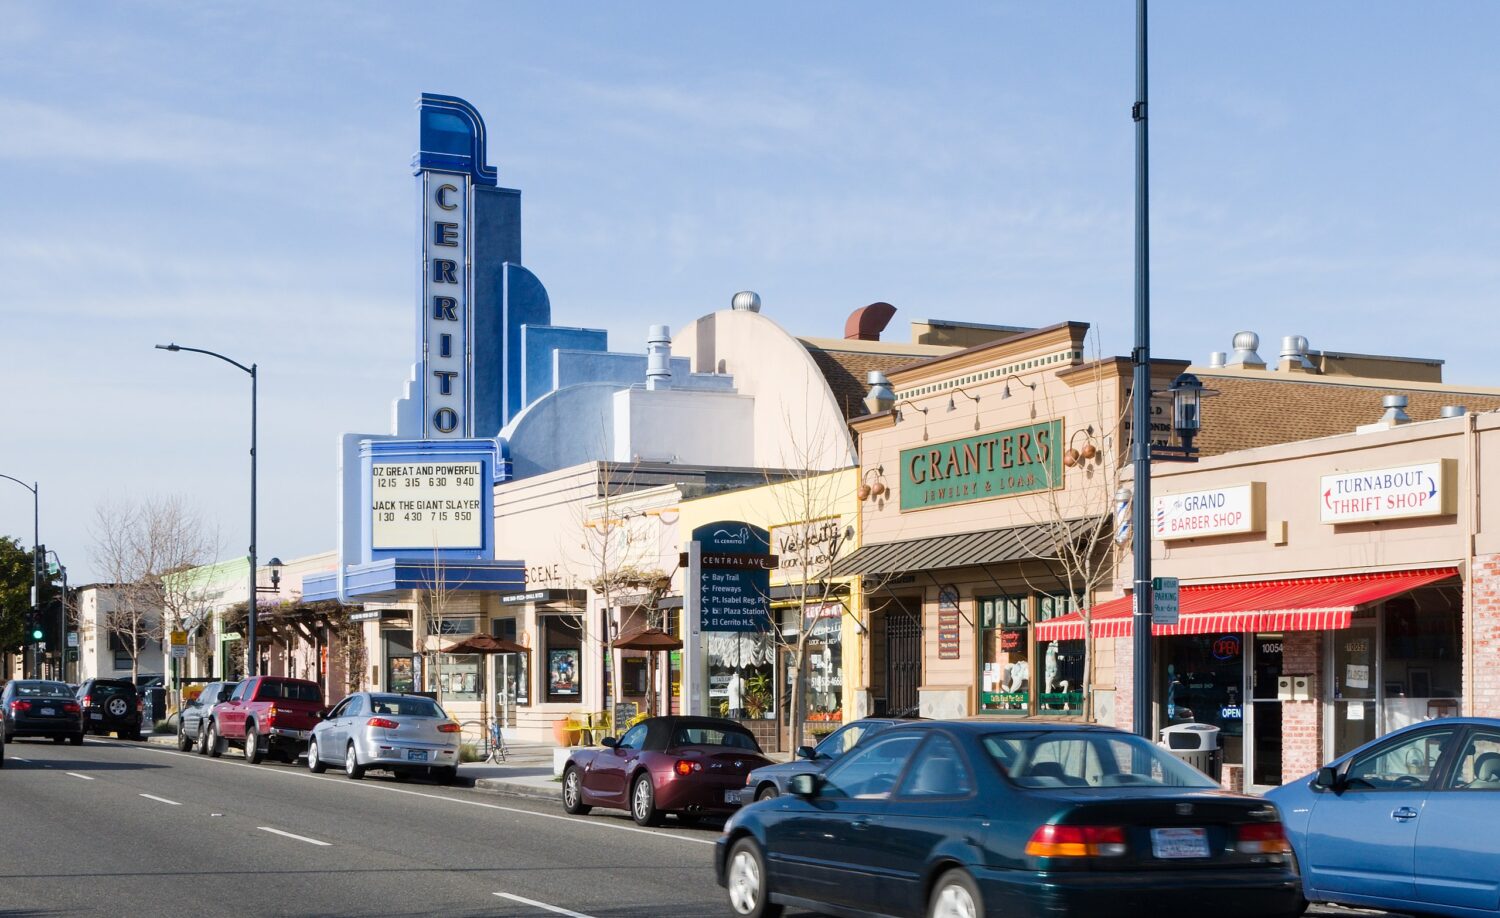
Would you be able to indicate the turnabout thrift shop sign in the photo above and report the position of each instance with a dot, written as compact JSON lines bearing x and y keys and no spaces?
{"x":1210,"y":512}
{"x":1000,"y":464}
{"x":427,"y":505}
{"x":1425,"y":489}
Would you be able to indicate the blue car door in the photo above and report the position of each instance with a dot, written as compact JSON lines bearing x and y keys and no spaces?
{"x":935,"y":809}
{"x":1362,"y":840}
{"x":831,"y":847}
{"x":1458,"y":848}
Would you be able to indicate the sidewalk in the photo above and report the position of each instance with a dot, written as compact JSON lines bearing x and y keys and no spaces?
{"x":526,"y":772}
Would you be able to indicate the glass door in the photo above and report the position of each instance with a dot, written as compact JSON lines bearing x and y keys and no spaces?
{"x":1354,"y":680}
{"x":1264,"y":714}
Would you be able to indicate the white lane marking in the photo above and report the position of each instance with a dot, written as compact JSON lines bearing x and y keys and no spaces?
{"x":77,"y":775}
{"x":542,"y":905}
{"x":160,"y":799}
{"x":594,"y":823}
{"x":16,"y":758}
{"x":300,"y":838}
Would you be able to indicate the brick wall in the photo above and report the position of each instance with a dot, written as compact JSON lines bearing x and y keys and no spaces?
{"x":1302,"y":721}
{"x":1124,"y":653}
{"x":1481,"y":672}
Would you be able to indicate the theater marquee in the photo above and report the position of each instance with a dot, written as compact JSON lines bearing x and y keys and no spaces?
{"x":1005,"y":463}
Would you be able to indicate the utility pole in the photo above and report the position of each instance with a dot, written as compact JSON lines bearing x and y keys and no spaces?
{"x":1141,"y":403}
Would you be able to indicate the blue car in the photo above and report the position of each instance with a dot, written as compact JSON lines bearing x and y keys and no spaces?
{"x":770,"y":780}
{"x":963,"y":819}
{"x":1409,"y":822}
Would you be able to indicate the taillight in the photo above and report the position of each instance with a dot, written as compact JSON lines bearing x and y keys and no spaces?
{"x":271,"y":713}
{"x":17,"y":707}
{"x":1261,"y":838}
{"x":383,"y":723}
{"x":88,"y":700}
{"x":1077,"y":841}
{"x":449,"y":727}
{"x":70,"y":707}
{"x":687,"y":766}
{"x":140,"y":704}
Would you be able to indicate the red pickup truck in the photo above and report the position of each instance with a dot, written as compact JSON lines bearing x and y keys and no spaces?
{"x":266,"y":714}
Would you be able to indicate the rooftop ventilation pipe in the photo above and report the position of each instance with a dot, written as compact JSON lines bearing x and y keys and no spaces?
{"x":881,"y":397}
{"x":1216,"y":360}
{"x":1452,"y":411}
{"x":1244,"y":356}
{"x":659,"y":357}
{"x":745,"y":301}
{"x":1294,"y":353}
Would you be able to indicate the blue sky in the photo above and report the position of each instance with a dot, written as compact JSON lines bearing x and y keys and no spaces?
{"x":235,"y":177}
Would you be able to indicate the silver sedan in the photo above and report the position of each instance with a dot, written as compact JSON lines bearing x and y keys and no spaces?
{"x":405,"y":734}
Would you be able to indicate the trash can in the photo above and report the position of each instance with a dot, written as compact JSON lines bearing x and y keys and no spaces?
{"x":1197,"y":745}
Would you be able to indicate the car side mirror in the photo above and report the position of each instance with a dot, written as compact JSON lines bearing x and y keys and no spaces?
{"x":804,"y":786}
{"x":609,"y":742}
{"x":806,"y":752}
{"x":1328,"y":779}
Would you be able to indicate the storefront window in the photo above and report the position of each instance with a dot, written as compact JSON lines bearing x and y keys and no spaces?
{"x":1060,"y":685}
{"x":451,"y":626}
{"x":1005,"y":674}
{"x":456,"y":677}
{"x":1203,"y":682}
{"x":741,"y":674}
{"x":512,"y":670}
{"x":1422,"y":669}
{"x":398,"y":662}
{"x":563,"y":639}
{"x":825,"y":659}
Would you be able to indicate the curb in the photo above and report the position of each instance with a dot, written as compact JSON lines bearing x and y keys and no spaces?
{"x":508,"y":788}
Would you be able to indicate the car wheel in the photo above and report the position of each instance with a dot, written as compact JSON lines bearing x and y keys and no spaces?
{"x":254,"y":752}
{"x":183,"y":743}
{"x":573,"y":793}
{"x":643,"y":802}
{"x":749,"y":887}
{"x":955,"y":895}
{"x":314,"y":762}
{"x":76,"y":739}
{"x":767,"y":793}
{"x":215,"y":742}
{"x":352,"y":768}
{"x":202,"y":738}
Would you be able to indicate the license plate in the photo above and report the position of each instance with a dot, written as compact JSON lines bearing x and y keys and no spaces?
{"x":49,"y":712}
{"x":97,"y":716}
{"x":416,"y":755}
{"x":732,"y":797}
{"x":1179,"y":843}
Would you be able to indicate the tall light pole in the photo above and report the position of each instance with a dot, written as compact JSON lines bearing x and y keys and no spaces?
{"x":36,"y":560}
{"x":1141,"y":401}
{"x":252,"y":655}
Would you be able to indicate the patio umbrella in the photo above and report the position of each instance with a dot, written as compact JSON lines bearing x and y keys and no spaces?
{"x":651,"y":639}
{"x":486,"y":645}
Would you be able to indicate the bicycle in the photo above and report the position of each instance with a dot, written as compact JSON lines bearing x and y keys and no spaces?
{"x":489,"y":742}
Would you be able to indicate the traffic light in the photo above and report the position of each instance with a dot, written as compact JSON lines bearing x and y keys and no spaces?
{"x":34,"y":632}
{"x":39,"y":561}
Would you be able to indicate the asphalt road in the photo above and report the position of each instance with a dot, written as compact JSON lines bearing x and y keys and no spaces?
{"x":117,"y":828}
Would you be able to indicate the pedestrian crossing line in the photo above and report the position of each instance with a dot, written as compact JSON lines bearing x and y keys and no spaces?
{"x":542,"y":905}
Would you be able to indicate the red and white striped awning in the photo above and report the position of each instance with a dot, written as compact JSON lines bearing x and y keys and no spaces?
{"x":1307,"y":604}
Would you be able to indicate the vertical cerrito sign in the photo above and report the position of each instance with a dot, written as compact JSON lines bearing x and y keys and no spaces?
{"x":734,"y":576}
{"x":448,"y":166}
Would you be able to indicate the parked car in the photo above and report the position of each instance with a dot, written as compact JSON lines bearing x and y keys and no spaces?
{"x":1405,"y":822}
{"x":1027,"y":819}
{"x":405,"y":734}
{"x":110,"y":706}
{"x":266,"y":714}
{"x":770,"y":780}
{"x":39,"y":707}
{"x":689,"y":766}
{"x":194,"y":716}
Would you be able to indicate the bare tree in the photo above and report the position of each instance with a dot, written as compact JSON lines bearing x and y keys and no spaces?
{"x":435,"y":609}
{"x":139,"y":547}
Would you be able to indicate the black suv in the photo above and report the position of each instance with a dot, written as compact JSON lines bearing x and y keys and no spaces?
{"x":40,"y":707}
{"x":194,"y":716}
{"x":111,"y":706}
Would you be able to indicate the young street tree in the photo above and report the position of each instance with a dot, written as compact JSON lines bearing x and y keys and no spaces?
{"x":138,"y":547}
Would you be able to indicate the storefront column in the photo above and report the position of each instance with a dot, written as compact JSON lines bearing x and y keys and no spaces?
{"x":1124,"y":682}
{"x":1479,"y":671}
{"x":1302,"y":721}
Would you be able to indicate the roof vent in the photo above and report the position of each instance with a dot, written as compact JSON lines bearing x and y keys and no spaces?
{"x":745,"y":301}
{"x":880,"y":397}
{"x":1244,"y":355}
{"x":1294,"y":353}
{"x":659,"y":357}
{"x":1216,"y":360}
{"x":1452,"y":411}
{"x":1395,"y":415}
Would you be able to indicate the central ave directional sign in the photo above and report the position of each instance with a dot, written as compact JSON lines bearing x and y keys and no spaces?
{"x":734,"y":580}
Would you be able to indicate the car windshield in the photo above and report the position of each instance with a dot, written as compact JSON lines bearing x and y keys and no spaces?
{"x":113,"y":688}
{"x":291,"y":691}
{"x":42,"y":689}
{"x":713,"y":736}
{"x":405,"y":706}
{"x":1080,"y":759}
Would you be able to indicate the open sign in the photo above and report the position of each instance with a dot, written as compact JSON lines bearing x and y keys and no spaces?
{"x":1227,"y":647}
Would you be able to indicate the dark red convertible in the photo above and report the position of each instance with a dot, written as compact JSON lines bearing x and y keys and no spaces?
{"x":689,"y":766}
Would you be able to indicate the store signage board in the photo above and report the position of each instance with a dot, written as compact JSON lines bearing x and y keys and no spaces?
{"x":1165,"y":601}
{"x":1231,"y":510}
{"x":179,"y":651}
{"x":427,"y":505}
{"x":1004,"y":463}
{"x":734,"y":576}
{"x":950,"y":644}
{"x":1400,"y":492}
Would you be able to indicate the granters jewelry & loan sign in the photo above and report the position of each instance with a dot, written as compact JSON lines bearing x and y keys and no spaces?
{"x":1000,"y":464}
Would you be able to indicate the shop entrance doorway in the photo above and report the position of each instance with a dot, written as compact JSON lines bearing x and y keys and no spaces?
{"x":1354,"y":681}
{"x":1264,"y":749}
{"x":900,"y":664}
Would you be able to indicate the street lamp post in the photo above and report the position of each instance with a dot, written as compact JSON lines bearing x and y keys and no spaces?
{"x":252,"y":655}
{"x":36,"y":562}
